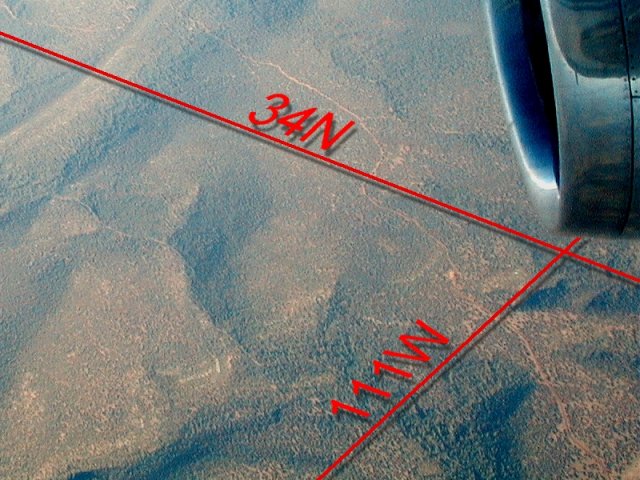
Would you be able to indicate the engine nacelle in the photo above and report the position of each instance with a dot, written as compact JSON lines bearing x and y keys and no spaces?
{"x":569,"y":73}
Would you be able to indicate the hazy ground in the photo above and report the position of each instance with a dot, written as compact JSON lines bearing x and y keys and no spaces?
{"x":178,"y":300}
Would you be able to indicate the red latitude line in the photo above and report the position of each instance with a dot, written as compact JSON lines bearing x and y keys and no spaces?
{"x":478,"y":331}
{"x":309,"y":153}
{"x":561,"y":252}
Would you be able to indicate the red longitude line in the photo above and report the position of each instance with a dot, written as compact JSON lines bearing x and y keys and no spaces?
{"x":317,"y":156}
{"x":478,"y":331}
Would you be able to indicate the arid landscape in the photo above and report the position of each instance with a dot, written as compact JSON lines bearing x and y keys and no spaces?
{"x":178,"y":300}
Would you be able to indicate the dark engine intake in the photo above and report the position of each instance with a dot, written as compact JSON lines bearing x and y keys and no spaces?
{"x":569,"y":73}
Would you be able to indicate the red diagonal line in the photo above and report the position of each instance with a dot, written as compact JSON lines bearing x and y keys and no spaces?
{"x":309,"y":153}
{"x":478,"y":331}
{"x":604,"y":267}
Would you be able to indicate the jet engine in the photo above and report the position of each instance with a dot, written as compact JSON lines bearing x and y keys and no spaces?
{"x":569,"y":72}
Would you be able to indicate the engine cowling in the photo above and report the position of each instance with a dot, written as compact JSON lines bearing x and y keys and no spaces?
{"x":569,"y":72}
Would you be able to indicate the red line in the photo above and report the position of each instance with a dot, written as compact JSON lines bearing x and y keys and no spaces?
{"x":317,"y":156}
{"x":604,"y":267}
{"x":446,"y":361}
